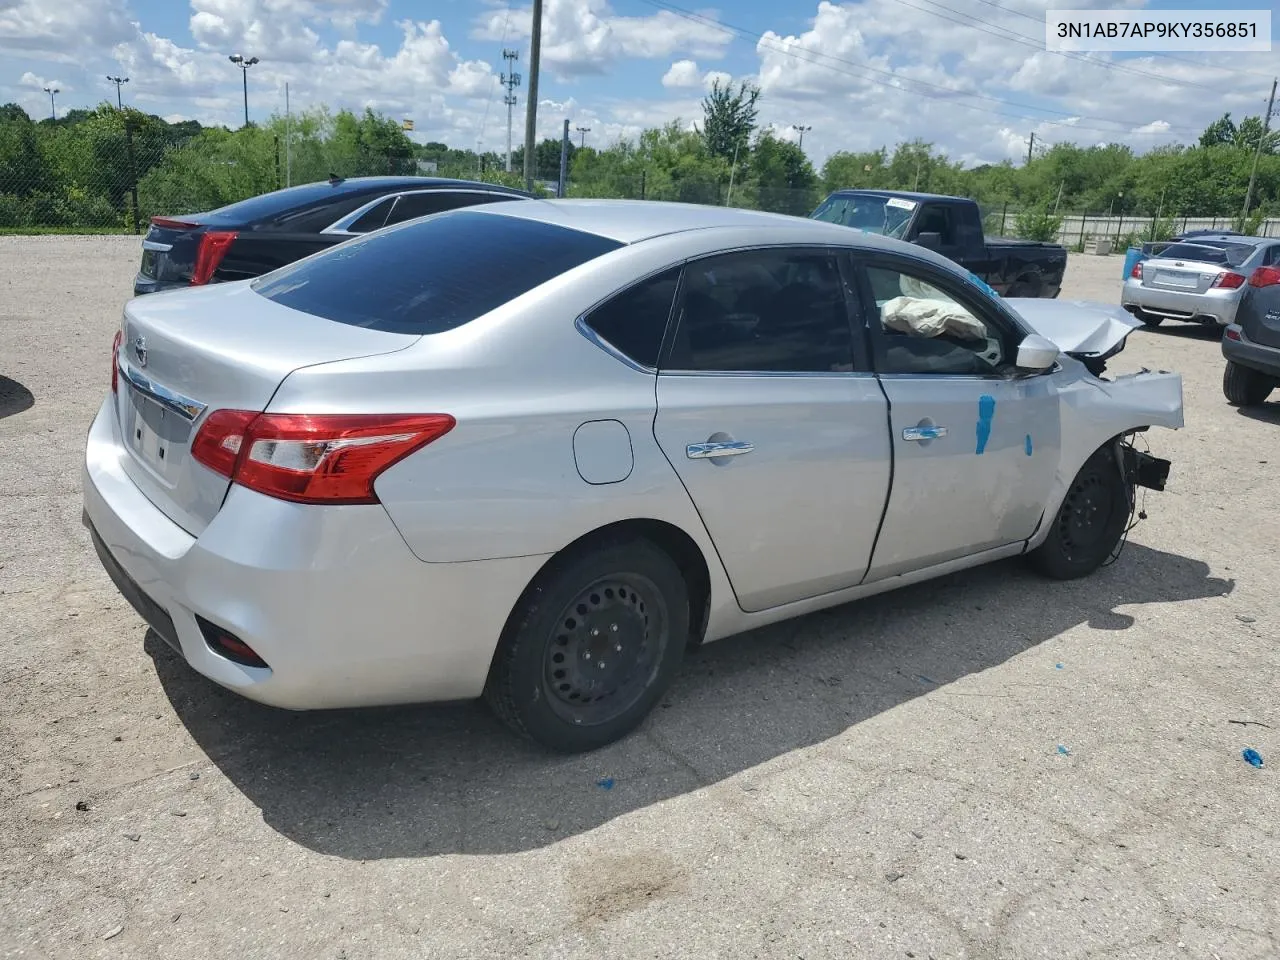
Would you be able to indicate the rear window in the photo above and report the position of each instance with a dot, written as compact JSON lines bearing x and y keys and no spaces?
{"x":431,"y":275}
{"x":1210,"y":251}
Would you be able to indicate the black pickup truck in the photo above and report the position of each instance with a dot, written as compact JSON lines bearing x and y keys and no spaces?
{"x":953,"y":227}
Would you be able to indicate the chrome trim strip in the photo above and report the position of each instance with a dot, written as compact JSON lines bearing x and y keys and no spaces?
{"x":583,"y":328}
{"x":156,"y":246}
{"x":718,"y":448}
{"x":923,"y":433}
{"x":184,"y":407}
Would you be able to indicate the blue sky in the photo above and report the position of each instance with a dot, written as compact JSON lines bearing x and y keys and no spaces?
{"x":969,"y":75}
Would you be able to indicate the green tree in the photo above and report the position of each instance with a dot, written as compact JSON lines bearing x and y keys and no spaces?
{"x":781,"y":178}
{"x":729,"y":118}
{"x":1222,"y":130}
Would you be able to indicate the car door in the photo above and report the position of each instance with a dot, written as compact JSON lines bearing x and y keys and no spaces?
{"x":975,"y":444}
{"x":771,"y":417}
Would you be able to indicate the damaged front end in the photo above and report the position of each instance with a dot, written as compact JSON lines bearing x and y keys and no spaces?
{"x":1085,"y":330}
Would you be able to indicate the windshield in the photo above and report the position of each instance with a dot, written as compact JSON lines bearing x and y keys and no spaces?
{"x":887,"y":216}
{"x":1209,"y":251}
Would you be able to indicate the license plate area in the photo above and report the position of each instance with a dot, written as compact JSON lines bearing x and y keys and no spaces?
{"x":156,"y":437}
{"x":1182,"y":281}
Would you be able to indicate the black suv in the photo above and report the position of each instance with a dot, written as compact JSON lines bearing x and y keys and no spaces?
{"x":255,"y":236}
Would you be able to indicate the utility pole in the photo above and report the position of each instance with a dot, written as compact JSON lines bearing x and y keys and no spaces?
{"x":244,"y":65}
{"x":288,"y":139}
{"x":1031,"y":146}
{"x":801,"y":129}
{"x":53,"y":110}
{"x":1253,"y":174}
{"x":583,"y":131}
{"x":118,"y":81}
{"x":510,"y":80}
{"x":564,"y":160}
{"x":531,"y":103}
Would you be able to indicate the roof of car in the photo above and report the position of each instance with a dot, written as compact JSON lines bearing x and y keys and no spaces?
{"x":630,"y":221}
{"x":906,"y":194}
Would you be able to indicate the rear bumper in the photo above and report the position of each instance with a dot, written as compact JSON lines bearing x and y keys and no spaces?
{"x":1246,"y":353}
{"x":1215,"y":306}
{"x":330,"y":597}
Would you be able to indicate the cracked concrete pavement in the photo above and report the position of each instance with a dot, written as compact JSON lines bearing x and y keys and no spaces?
{"x":882,"y":780}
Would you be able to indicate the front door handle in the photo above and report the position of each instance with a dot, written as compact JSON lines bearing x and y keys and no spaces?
{"x":922,"y":433}
{"x":718,"y":448}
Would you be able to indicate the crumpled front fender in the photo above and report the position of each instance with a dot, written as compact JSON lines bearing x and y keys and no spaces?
{"x":1095,"y":411}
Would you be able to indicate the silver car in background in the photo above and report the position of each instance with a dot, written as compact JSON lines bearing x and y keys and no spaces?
{"x":534,"y":450}
{"x":1200,"y":280}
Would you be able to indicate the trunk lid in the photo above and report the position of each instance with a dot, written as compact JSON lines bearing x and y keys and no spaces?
{"x":1180,"y":276}
{"x":190,"y":352}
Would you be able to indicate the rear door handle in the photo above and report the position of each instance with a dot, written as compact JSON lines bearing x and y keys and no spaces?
{"x":718,"y":448}
{"x":923,"y":433}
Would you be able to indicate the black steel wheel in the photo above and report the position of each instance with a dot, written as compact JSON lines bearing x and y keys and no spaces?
{"x":591,"y":646}
{"x":1090,"y":521}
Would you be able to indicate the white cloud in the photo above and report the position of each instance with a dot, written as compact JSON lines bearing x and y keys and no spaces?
{"x":62,"y":30}
{"x":37,"y":82}
{"x":683,"y":73}
{"x":713,"y":77}
{"x":586,"y":36}
{"x":1154,"y":127}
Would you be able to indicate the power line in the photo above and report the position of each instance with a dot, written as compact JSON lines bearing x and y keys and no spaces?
{"x":1038,"y":44}
{"x":950,"y":94}
{"x":1162,"y":55}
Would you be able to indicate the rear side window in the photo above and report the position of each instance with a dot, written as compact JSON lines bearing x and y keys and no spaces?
{"x":414,"y":205}
{"x":373,"y":218}
{"x":431,"y":275}
{"x":635,"y":320}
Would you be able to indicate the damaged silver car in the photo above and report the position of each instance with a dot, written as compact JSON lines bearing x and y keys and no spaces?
{"x":534,"y":450}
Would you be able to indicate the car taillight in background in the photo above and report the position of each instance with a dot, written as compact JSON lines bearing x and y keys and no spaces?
{"x":1136,"y":272}
{"x":115,"y":361}
{"x":214,"y":245}
{"x":1265,"y":277}
{"x":328,"y":458}
{"x":1232,"y":334}
{"x":1230,"y":281}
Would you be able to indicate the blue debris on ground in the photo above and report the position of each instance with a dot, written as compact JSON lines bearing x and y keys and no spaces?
{"x":1063,"y":751}
{"x":1252,"y":757}
{"x":605,"y":783}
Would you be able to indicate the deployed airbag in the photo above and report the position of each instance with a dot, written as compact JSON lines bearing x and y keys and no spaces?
{"x":924,"y":317}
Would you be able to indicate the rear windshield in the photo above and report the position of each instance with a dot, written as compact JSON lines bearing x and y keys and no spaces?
{"x":1210,"y":251}
{"x":431,"y":275}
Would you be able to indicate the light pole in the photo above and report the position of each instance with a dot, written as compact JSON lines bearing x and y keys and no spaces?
{"x":801,"y":129}
{"x":53,"y":111}
{"x":118,"y":81}
{"x":244,"y":65}
{"x":583,"y":131}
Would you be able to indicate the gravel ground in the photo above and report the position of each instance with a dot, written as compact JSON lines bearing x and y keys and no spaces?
{"x":883,"y":780}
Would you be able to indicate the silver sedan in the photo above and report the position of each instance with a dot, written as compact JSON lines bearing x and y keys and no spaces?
{"x":535,"y":450}
{"x":1200,"y":280}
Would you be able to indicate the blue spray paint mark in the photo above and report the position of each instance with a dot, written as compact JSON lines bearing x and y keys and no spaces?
{"x":986,"y":411}
{"x":1027,"y":446}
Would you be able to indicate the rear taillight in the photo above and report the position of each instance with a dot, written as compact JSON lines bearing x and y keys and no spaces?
{"x":1232,"y":334}
{"x":213,"y":247}
{"x":115,"y":361}
{"x":1136,"y":272}
{"x":1230,"y":281}
{"x":169,"y":223}
{"x":1265,"y":277}
{"x":326,"y":458}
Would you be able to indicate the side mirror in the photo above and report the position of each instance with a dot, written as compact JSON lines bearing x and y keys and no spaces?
{"x":930,"y":241}
{"x":1036,"y":354}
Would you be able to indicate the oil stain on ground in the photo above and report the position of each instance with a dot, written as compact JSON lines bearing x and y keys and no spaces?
{"x":607,"y":887}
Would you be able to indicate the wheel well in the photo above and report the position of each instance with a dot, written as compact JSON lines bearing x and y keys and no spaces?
{"x":677,"y":544}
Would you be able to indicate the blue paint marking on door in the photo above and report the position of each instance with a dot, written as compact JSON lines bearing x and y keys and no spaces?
{"x":986,"y":412}
{"x":1028,"y":445}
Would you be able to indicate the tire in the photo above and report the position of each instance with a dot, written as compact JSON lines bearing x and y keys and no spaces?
{"x":560,"y":629}
{"x":1090,"y":522}
{"x":1244,"y":387}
